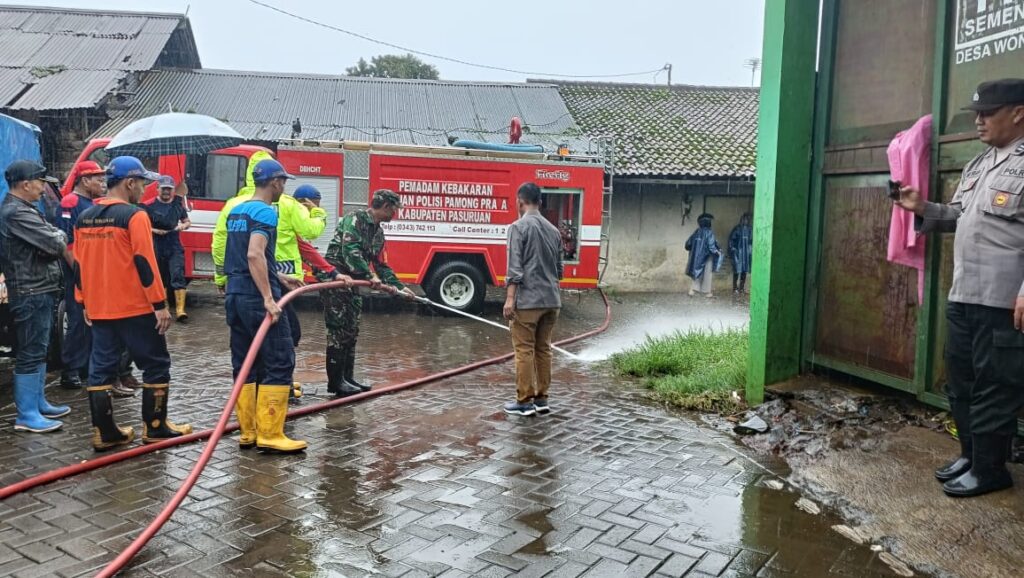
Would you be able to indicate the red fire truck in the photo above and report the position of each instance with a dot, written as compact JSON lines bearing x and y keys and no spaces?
{"x":450,"y":237}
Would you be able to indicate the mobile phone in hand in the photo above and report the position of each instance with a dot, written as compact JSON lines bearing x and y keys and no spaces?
{"x":894,"y":189}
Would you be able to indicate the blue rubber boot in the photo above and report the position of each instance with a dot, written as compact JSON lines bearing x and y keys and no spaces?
{"x":45,"y":408}
{"x":27,"y":390}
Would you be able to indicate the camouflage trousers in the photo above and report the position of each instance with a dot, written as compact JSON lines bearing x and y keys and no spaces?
{"x":341,"y":317}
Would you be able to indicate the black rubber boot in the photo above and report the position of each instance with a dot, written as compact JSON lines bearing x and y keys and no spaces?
{"x":105,"y":432}
{"x":988,"y":471}
{"x":350,"y":371}
{"x":69,"y":379}
{"x":960,"y":465}
{"x":336,"y":384}
{"x":155,"y":425}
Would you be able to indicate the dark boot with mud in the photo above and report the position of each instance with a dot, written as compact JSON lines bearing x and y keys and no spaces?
{"x":350,"y":370}
{"x":336,"y":384}
{"x":988,"y":471}
{"x":155,"y":425}
{"x":106,"y":434}
{"x":959,"y":466}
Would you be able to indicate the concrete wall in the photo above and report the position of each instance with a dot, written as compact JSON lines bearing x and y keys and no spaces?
{"x":650,"y":225}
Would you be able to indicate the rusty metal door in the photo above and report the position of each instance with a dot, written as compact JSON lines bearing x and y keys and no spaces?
{"x":877,"y":81}
{"x":884,"y":65}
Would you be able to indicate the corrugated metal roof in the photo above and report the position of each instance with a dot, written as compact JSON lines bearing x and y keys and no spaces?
{"x":69,"y":89}
{"x":262,"y":106}
{"x":659,"y":131}
{"x":10,"y":83}
{"x":83,"y":50}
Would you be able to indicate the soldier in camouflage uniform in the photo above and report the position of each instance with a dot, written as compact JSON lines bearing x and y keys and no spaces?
{"x":357,"y":249}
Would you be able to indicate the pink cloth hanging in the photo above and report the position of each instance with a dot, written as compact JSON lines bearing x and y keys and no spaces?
{"x":910,"y":163}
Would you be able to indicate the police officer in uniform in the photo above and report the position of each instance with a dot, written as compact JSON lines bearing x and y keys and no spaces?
{"x":357,"y":250}
{"x":985,"y":315}
{"x":170,"y":216}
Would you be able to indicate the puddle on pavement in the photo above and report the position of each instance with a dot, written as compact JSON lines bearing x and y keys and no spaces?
{"x":371,"y":455}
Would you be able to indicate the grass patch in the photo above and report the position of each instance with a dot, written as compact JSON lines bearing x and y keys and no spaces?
{"x":693,"y":370}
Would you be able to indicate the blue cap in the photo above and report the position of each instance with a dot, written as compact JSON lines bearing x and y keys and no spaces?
{"x":129,"y":167}
{"x":269,"y":169}
{"x":306,"y":192}
{"x":167,"y":182}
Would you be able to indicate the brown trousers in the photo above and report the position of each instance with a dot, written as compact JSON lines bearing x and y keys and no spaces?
{"x":531,"y":338}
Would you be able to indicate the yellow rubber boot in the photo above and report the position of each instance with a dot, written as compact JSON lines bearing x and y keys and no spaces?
{"x":245,"y":410}
{"x":179,"y":303}
{"x":271,"y":411}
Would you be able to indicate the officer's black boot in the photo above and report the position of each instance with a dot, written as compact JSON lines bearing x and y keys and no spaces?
{"x":988,"y":471}
{"x":350,"y":370}
{"x":960,"y":465}
{"x":336,"y":384}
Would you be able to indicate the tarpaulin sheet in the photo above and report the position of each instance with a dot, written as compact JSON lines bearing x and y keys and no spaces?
{"x":19,"y":140}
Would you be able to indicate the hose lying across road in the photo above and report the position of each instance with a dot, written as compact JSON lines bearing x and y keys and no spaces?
{"x":223,"y":426}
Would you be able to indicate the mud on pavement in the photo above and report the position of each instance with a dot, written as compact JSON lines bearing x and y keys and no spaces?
{"x":871,"y":456}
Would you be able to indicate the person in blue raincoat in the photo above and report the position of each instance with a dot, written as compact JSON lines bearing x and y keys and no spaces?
{"x":705,"y":256}
{"x":741,"y":249}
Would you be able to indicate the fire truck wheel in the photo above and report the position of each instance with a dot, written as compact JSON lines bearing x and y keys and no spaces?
{"x":458,"y":285}
{"x":60,"y":326}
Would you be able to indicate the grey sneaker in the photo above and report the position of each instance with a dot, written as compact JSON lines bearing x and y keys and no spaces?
{"x":516,"y":408}
{"x":541,"y":405}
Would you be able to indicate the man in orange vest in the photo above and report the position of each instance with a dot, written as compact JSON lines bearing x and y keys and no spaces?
{"x":118,"y":281}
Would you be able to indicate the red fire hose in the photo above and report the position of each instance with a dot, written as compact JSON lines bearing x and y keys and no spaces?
{"x":223,"y":427}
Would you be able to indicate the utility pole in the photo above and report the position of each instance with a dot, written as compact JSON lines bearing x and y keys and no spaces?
{"x":754,"y":64}
{"x":668,"y":67}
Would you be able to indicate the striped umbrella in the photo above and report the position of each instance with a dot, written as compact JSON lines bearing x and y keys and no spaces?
{"x":173,"y":133}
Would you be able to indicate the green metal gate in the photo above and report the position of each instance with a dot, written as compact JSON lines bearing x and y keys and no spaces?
{"x":883,"y":65}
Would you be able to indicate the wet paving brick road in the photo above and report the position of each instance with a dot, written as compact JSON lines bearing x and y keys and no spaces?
{"x":432,"y":481}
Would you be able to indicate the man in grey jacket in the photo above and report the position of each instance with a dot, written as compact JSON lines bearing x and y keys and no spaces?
{"x":30,"y":250}
{"x":533,"y":300}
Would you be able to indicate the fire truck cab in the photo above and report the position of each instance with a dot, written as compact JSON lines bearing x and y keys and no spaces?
{"x":450,"y":235}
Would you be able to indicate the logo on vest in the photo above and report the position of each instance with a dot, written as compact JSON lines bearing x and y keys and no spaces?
{"x":1000,"y":200}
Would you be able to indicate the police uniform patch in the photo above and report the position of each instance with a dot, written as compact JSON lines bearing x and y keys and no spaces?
{"x":1000,"y":199}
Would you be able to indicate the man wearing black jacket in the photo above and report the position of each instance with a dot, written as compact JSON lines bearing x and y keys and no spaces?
{"x":30,"y":253}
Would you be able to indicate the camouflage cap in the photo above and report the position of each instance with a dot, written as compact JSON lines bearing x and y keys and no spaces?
{"x":387,"y":196}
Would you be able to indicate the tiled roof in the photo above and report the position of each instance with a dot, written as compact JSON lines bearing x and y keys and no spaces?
{"x":678,"y":131}
{"x":57,"y":58}
{"x":262,"y":106}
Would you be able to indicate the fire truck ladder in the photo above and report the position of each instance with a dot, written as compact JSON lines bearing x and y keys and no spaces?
{"x":606,"y":150}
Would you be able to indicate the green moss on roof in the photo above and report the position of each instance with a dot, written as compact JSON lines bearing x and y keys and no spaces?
{"x":679,"y":131}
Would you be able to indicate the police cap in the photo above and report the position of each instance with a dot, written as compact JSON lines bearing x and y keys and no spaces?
{"x":996,"y":94}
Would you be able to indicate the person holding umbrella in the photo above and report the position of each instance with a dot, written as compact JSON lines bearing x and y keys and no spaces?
{"x":169,"y":215}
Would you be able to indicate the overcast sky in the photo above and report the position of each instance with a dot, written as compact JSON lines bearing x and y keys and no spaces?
{"x":706,"y":41}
